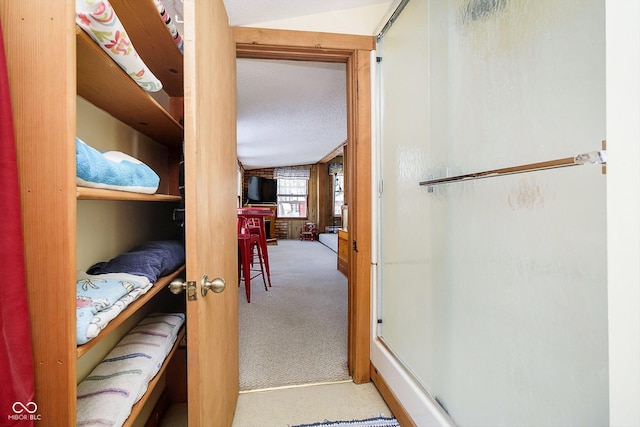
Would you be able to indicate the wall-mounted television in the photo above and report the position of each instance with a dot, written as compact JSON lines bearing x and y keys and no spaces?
{"x":262,"y":190}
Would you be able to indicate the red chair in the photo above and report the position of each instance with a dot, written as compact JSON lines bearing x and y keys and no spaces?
{"x":309,"y":232}
{"x":256,"y":227}
{"x":246,"y":242}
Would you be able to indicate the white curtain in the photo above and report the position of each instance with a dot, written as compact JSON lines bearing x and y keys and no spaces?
{"x":300,"y":172}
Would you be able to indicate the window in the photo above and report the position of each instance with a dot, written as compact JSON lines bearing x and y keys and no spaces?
{"x":292,"y":197}
{"x":338,"y":194}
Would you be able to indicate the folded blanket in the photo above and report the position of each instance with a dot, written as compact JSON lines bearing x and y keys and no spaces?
{"x":107,"y":395}
{"x":113,"y":170}
{"x":177,"y":38}
{"x":100,"y":298}
{"x":98,"y":19}
{"x":152,"y":260}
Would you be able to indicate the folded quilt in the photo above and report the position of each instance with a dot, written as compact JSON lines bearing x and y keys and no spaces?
{"x":151,"y":259}
{"x":113,"y":170}
{"x":106,"y":396}
{"x":177,"y":38}
{"x":100,"y":298}
{"x":98,"y":19}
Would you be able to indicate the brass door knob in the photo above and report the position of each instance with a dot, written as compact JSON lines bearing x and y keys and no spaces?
{"x":177,"y":285}
{"x":217,"y":285}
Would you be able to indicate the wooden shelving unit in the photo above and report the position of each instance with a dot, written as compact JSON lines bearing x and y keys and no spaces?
{"x":103,"y":83}
{"x":86,"y":193}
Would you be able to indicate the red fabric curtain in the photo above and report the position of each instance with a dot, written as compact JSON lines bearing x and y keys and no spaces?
{"x":17,"y":407}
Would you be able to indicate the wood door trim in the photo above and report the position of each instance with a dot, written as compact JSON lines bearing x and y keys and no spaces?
{"x":297,"y":41}
{"x":354,"y":51}
{"x":359,"y":201}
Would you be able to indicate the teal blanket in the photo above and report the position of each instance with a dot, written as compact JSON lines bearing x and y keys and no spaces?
{"x":113,"y":170}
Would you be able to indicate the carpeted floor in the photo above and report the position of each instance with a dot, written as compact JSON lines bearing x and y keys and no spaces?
{"x":295,"y":333}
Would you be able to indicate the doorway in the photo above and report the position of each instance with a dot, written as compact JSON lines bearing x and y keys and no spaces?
{"x":354,"y":51}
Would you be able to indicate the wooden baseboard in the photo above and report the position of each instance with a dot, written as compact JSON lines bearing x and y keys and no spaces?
{"x":390,"y":398}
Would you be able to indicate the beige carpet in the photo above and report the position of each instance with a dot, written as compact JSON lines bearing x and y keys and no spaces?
{"x":295,"y":333}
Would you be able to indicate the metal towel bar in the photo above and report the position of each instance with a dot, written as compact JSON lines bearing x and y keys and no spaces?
{"x":593,"y":157}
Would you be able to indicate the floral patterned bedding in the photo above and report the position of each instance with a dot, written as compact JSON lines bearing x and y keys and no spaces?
{"x":98,"y":19}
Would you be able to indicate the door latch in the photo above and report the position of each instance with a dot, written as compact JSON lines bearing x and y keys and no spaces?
{"x":179,"y":285}
{"x":192,"y":293}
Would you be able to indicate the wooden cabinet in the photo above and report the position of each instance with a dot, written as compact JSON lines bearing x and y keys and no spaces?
{"x":343,"y":251}
{"x":63,"y":85}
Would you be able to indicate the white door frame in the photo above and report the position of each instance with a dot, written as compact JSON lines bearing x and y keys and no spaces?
{"x":623,"y":208}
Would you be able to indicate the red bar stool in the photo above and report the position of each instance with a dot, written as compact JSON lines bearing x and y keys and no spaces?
{"x":246,"y":242}
{"x":259,"y":214}
{"x":256,"y":227}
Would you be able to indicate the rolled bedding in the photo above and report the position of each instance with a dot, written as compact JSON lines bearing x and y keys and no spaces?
{"x":100,"y":298}
{"x":107,"y":394}
{"x":113,"y":170}
{"x":98,"y":19}
{"x":175,"y":34}
{"x":151,"y":259}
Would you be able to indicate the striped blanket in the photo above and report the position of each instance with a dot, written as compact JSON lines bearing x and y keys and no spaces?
{"x":106,"y":396}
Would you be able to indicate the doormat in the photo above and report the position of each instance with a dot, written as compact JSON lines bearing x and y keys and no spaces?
{"x":370,"y":422}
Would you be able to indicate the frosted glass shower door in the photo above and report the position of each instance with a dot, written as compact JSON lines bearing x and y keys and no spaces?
{"x":492,"y":292}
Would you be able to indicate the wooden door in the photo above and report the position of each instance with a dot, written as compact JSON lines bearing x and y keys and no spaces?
{"x":210,"y":185}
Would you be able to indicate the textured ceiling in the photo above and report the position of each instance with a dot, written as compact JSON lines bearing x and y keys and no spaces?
{"x":289,"y":113}
{"x":247,"y":12}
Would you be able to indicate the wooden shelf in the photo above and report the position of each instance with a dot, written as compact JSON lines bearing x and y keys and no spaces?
{"x":153,"y":42}
{"x":137,"y":408}
{"x":132,"y":308}
{"x":87,"y":193}
{"x":103,"y":83}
